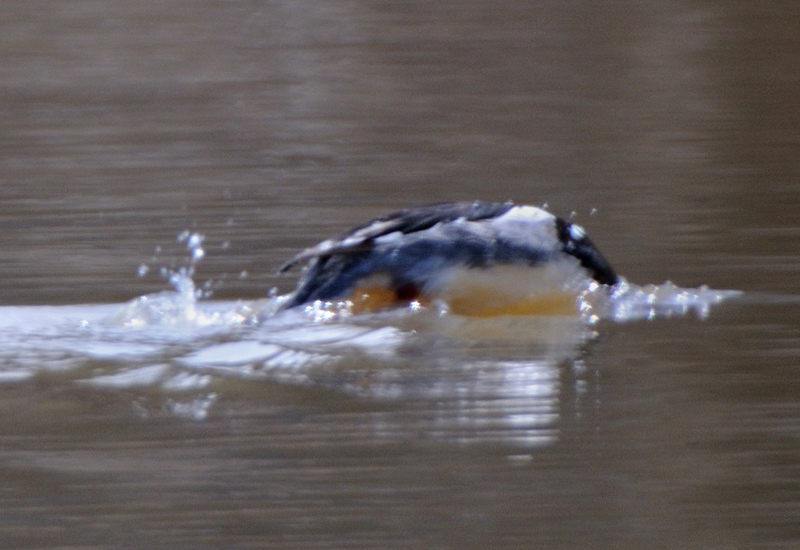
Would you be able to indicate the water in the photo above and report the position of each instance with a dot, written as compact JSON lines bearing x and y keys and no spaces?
{"x":159,"y":162}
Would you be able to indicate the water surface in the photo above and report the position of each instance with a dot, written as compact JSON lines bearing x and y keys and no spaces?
{"x":669,"y":130}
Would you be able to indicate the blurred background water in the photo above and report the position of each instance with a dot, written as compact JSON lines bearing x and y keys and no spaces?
{"x":670,"y":130}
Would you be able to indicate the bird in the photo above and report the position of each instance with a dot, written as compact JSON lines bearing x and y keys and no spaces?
{"x":477,"y":258}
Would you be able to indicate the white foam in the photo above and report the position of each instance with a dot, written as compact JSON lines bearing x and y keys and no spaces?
{"x":136,"y":377}
{"x":632,"y":302}
{"x":231,"y":353}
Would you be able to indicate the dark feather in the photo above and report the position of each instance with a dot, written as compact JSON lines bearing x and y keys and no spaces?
{"x":359,"y":239}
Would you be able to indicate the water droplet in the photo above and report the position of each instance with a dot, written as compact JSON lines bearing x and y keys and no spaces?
{"x":195,"y":240}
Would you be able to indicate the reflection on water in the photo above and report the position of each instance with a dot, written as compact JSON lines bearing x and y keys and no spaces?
{"x":300,"y":406}
{"x":483,"y":379}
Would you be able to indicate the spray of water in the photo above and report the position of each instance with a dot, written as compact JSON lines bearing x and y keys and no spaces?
{"x":181,"y":307}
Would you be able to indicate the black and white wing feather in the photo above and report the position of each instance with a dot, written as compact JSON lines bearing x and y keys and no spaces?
{"x":406,"y":221}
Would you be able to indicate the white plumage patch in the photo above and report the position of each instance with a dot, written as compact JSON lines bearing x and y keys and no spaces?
{"x":529,"y":227}
{"x":527,"y":214}
{"x":576,"y":232}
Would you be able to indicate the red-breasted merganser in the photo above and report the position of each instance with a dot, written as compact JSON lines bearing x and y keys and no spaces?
{"x":478,"y":258}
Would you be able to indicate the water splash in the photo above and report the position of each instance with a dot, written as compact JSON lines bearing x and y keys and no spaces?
{"x":631,"y":302}
{"x":180,"y":353}
{"x":626,"y":302}
{"x":180,"y":307}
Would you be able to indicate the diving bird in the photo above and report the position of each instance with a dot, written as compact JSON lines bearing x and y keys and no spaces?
{"x":479,"y":258}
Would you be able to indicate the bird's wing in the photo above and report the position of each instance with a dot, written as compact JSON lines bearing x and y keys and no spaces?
{"x":406,"y":221}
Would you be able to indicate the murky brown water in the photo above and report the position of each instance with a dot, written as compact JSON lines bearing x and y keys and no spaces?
{"x":267,"y":126}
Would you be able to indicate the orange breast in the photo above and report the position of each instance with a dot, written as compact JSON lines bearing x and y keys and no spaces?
{"x":501,"y":290}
